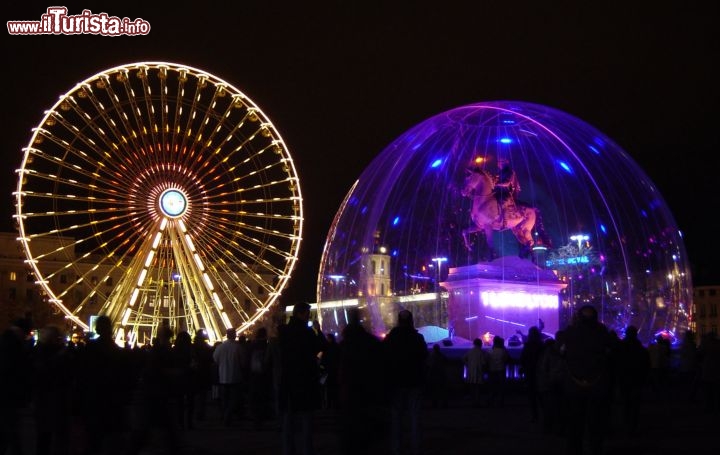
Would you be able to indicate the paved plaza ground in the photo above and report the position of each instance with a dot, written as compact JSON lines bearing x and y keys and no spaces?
{"x":669,"y":425}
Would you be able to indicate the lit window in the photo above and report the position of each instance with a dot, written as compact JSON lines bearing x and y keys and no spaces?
{"x":13,"y":276}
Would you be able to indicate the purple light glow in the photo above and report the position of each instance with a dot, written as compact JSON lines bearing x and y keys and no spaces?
{"x":575,"y":177}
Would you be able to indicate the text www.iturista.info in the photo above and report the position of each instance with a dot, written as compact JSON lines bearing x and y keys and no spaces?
{"x":56,"y":21}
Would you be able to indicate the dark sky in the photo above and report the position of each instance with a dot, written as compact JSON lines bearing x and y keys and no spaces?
{"x":340,"y":82}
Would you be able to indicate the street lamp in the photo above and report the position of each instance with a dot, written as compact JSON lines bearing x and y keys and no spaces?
{"x":438,"y":299}
{"x":580,"y":238}
{"x":439,"y":262}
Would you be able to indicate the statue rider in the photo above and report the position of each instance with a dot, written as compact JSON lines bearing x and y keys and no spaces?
{"x":505,"y":189}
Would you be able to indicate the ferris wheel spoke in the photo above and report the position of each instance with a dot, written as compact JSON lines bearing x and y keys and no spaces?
{"x":121,"y":237}
{"x":268,"y":232}
{"x":70,"y":182}
{"x":66,"y":150}
{"x":150,"y":110}
{"x":223,"y":252}
{"x":269,"y":229}
{"x":254,"y":172}
{"x":91,"y":125}
{"x":200,"y":142}
{"x":250,"y":187}
{"x":135,"y":123}
{"x":188,"y":132}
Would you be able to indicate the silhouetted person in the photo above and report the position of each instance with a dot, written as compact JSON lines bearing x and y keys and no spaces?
{"x":202,"y":371}
{"x":586,"y":350}
{"x":406,"y":354}
{"x":476,"y":364}
{"x":157,"y":411}
{"x":259,"y":379}
{"x":633,"y":366}
{"x":106,"y":387}
{"x":659,"y":351}
{"x":498,"y":360}
{"x":230,"y":357}
{"x":710,"y":371}
{"x":51,"y":387}
{"x":182,"y":354}
{"x":14,"y":383}
{"x":329,"y":374}
{"x":550,"y":383}
{"x":529,"y":355}
{"x":360,"y":388}
{"x":689,"y":366}
{"x":299,"y":391}
{"x":437,"y":377}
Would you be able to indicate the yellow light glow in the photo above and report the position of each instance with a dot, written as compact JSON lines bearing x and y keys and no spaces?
{"x":134,"y":296}
{"x":126,"y":316}
{"x":149,"y":259}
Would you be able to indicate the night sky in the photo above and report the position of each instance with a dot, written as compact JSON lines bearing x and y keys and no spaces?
{"x":340,"y":82}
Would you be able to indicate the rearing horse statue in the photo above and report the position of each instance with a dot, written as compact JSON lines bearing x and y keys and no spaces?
{"x":488,"y":215}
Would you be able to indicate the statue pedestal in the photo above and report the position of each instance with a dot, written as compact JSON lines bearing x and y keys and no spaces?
{"x":502,"y":297}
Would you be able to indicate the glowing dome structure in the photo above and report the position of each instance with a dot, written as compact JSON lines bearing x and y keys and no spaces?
{"x":494,"y":209}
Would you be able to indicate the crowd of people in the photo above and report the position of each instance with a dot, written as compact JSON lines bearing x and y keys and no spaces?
{"x":90,"y":395}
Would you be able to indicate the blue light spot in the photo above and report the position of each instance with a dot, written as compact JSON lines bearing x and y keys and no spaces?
{"x":363,"y":210}
{"x":505,"y":140}
{"x":566,"y":167}
{"x":603,"y":229}
{"x":643,"y":213}
{"x":508,"y":122}
{"x":596,"y":151}
{"x":396,"y":221}
{"x":436,"y":163}
{"x":394,"y":253}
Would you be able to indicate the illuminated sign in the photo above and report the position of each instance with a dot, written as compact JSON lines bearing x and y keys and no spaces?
{"x":567,"y":261}
{"x":522,"y":300}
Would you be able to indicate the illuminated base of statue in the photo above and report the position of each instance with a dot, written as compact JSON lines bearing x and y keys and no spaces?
{"x":502,"y":297}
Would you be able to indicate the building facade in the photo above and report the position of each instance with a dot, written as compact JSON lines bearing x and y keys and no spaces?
{"x":707,"y":301}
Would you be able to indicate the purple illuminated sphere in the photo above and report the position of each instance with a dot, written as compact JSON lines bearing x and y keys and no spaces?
{"x":602,"y":227}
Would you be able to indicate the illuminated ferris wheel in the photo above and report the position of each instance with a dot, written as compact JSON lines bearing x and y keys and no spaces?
{"x":158,"y":194}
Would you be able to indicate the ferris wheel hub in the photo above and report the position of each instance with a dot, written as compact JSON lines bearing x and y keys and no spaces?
{"x":173,"y":203}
